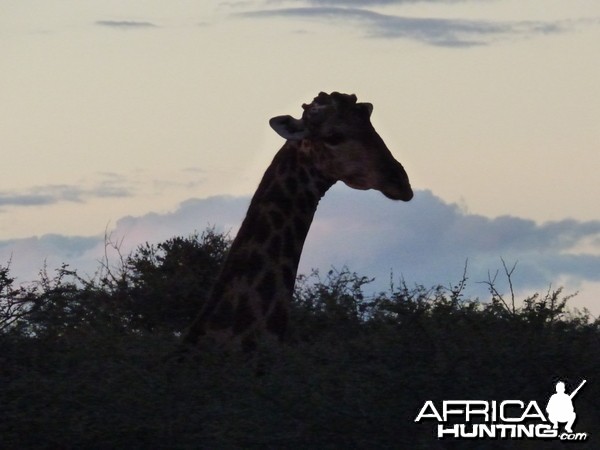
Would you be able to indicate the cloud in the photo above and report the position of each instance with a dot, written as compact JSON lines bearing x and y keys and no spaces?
{"x":125,"y":24}
{"x":25,"y":199}
{"x":42,"y":195}
{"x":360,"y":3}
{"x":225,"y":213}
{"x":431,"y":31}
{"x":58,"y":193}
{"x":426,"y":241}
{"x":29,"y":255}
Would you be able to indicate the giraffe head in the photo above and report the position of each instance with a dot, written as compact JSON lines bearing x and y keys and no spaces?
{"x":337,"y":132}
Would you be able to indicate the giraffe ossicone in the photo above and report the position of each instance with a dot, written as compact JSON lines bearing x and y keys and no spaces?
{"x":334,"y":140}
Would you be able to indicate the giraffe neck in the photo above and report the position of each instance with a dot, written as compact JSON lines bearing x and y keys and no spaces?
{"x":255,"y":287}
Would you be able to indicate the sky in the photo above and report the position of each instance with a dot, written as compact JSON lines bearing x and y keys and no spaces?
{"x":146,"y":120}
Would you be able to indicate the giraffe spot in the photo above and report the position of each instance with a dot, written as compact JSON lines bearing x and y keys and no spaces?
{"x":291,"y":185}
{"x":266,"y":183}
{"x":274,"y":247}
{"x":271,"y":191}
{"x":301,"y":205}
{"x":303,"y":176}
{"x":301,"y":225}
{"x":284,"y":164}
{"x":255,"y":228}
{"x":244,"y":315}
{"x":222,"y":315}
{"x":266,"y":289}
{"x":313,"y":172}
{"x":306,"y":203}
{"x":253,"y":265}
{"x":323,"y":186}
{"x":288,"y":276}
{"x":289,"y":242}
{"x":278,"y":320}
{"x":277,"y":218}
{"x":310,"y":199}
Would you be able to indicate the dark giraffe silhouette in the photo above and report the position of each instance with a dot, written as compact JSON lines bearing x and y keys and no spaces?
{"x":334,"y":140}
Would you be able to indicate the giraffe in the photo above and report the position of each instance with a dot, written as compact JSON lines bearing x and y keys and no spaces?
{"x":334,"y":140}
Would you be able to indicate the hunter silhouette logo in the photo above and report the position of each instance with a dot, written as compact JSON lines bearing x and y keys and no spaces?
{"x":505,"y":419}
{"x":560,"y":407}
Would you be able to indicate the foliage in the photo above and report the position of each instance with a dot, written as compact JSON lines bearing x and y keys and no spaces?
{"x":168,"y":282}
{"x":82,"y":361}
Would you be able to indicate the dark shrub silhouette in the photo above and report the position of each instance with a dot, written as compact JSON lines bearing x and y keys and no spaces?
{"x":82,"y":362}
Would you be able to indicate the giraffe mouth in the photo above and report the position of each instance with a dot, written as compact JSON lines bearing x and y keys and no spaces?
{"x":394,"y":190}
{"x":396,"y":185}
{"x":405,"y":193}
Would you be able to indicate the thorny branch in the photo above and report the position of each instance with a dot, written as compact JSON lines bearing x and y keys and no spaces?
{"x":496,"y":295}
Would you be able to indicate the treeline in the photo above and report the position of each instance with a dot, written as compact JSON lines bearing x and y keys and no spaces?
{"x":84,"y":362}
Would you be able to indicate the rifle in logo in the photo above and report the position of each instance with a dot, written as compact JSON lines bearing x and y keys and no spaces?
{"x":572,"y":394}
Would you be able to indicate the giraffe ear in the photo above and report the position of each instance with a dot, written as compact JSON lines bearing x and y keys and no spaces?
{"x":288,"y":128}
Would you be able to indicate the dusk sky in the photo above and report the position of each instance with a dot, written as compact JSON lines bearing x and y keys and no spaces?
{"x":150,"y":119}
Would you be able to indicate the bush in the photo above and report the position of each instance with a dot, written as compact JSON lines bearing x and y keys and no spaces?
{"x":168,"y":283}
{"x":82,"y":362}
